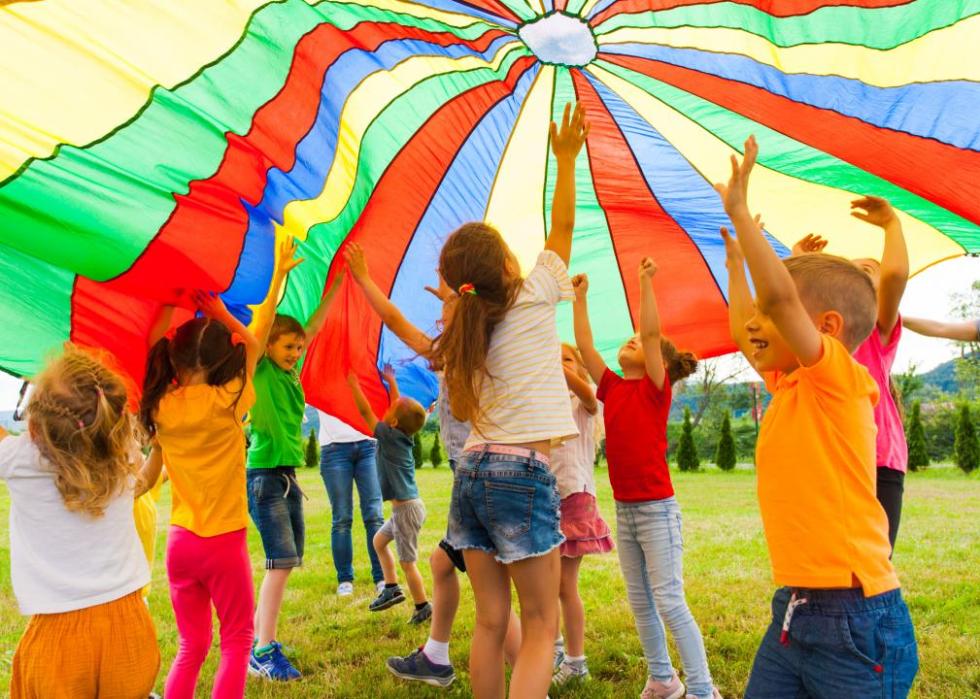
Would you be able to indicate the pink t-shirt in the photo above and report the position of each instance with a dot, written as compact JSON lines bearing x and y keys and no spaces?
{"x":892,"y":450}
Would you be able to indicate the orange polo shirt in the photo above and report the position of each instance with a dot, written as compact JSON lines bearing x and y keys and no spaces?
{"x":816,"y":477}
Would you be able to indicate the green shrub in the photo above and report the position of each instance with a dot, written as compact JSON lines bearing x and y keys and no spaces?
{"x":967,"y":447}
{"x":725,"y":455}
{"x":417,"y":450}
{"x":312,"y":451}
{"x":435,"y":455}
{"x":687,"y":453}
{"x":918,"y":454}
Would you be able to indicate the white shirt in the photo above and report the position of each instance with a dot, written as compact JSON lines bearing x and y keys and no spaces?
{"x":573,"y":461}
{"x":336,"y":431}
{"x":60,"y":560}
{"x":523,"y":395}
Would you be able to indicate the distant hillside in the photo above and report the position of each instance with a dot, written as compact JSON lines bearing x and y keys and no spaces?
{"x":943,"y":377}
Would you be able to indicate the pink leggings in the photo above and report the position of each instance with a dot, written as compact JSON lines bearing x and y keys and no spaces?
{"x":202,"y":571}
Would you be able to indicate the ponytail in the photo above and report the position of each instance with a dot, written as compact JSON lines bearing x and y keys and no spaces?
{"x":679,"y":364}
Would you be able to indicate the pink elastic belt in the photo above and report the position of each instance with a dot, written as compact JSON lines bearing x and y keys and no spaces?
{"x":509,"y":451}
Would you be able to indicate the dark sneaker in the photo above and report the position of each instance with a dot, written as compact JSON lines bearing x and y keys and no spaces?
{"x":388,"y":597}
{"x":421,"y":615}
{"x":417,"y":666}
{"x":272,"y":665}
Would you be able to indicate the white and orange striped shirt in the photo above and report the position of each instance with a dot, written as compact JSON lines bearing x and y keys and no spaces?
{"x":523,"y":395}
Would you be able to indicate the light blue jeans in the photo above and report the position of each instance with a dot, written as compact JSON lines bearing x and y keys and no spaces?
{"x":650,"y":555}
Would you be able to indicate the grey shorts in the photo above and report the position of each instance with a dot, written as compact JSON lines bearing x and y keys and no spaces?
{"x":404,"y":526}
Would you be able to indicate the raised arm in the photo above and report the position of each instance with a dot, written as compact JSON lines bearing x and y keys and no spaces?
{"x":212,"y":306}
{"x":650,"y":333}
{"x":961,"y":330}
{"x":315,"y":321}
{"x":389,"y":374}
{"x":582,"y":389}
{"x":565,"y":144}
{"x":740,"y":303}
{"x":776,"y":294}
{"x":160,"y":325}
{"x":382,"y":305}
{"x":583,"y":330}
{"x":363,"y":407}
{"x":265,"y":314}
{"x":894,"y":273}
{"x":150,"y":473}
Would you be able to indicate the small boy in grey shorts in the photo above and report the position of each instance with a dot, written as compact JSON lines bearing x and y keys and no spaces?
{"x":396,"y":473}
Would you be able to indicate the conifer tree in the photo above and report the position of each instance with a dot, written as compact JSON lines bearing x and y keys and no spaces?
{"x":725,"y":456}
{"x":918,"y":454}
{"x":687,"y":453}
{"x":417,"y":450}
{"x":435,"y":455}
{"x":966,"y":446}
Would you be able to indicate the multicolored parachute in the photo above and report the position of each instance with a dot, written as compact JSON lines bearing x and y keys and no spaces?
{"x":151,"y":148}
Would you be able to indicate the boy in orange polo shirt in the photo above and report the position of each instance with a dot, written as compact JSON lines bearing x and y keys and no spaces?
{"x":840,"y":627}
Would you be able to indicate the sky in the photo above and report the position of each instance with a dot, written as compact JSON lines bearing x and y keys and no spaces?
{"x":928,"y":295}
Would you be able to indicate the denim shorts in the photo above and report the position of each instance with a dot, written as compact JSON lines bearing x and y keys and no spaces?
{"x":504,"y":505}
{"x":840,"y":644}
{"x":275,"y":503}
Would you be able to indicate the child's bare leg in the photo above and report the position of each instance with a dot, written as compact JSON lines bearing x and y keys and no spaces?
{"x":512,"y":641}
{"x":381,"y":541}
{"x":269,"y":604}
{"x":414,"y":580}
{"x":445,"y":595}
{"x":572,"y":610}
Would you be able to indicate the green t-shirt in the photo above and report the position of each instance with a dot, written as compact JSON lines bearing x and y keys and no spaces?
{"x":277,"y":418}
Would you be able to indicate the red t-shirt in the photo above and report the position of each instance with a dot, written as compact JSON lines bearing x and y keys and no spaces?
{"x":635,"y":412}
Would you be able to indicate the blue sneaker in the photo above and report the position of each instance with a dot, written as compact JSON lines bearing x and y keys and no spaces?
{"x":272,"y":665}
{"x":416,"y":666}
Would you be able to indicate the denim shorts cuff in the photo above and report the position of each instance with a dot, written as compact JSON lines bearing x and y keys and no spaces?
{"x":507,"y":560}
{"x":471,"y":547}
{"x":283,"y":563}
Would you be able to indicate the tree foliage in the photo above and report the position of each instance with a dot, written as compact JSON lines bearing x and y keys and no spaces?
{"x":435,"y":454}
{"x":417,"y":450}
{"x":725,"y":455}
{"x":918,"y":453}
{"x":966,"y":446}
{"x":687,"y":453}
{"x":312,"y":451}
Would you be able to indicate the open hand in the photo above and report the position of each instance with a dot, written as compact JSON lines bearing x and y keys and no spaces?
{"x":209,"y":303}
{"x":648,"y":268}
{"x":876,"y":210}
{"x":735,"y":194}
{"x":287,"y":255}
{"x":442,"y":292}
{"x":389,"y":373}
{"x":356,"y":261}
{"x":733,"y":250}
{"x":810,"y":244}
{"x":566,"y":142}
{"x":580,"y":283}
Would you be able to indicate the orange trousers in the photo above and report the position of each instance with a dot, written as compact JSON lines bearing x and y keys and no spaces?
{"x":108,"y":651}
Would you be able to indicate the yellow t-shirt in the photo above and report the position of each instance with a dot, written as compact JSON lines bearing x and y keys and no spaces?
{"x":816,"y":477}
{"x":145,"y":516}
{"x":200,"y":430}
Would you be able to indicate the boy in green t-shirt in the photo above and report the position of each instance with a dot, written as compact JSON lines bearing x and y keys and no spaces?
{"x":275,"y":501}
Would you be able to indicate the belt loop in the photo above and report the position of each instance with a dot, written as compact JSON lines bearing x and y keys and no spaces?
{"x":534,"y":457}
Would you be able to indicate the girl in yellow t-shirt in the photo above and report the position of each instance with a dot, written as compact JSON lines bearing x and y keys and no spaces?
{"x":197,"y":389}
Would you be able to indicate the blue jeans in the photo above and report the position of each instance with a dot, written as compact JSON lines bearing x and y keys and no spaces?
{"x":342,"y":465}
{"x":650,"y":554}
{"x":275,"y":503}
{"x":504,"y":505}
{"x":841,"y":644}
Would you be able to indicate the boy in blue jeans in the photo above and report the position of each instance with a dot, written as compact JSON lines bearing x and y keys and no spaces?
{"x":396,"y":473}
{"x":275,"y":501}
{"x":840,"y":627}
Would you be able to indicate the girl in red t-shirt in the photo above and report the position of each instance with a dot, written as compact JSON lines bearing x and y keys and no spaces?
{"x":635,"y":409}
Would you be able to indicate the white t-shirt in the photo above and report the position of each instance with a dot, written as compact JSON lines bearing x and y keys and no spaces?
{"x":523,"y":396}
{"x":573,"y":461}
{"x":61,"y":561}
{"x":336,"y":431}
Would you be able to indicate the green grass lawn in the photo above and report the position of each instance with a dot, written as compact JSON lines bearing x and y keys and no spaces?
{"x":341,"y":647}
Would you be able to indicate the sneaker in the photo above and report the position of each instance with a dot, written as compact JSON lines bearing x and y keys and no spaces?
{"x":672,"y":689}
{"x":272,"y":665}
{"x":420,"y":615}
{"x":345,"y":589}
{"x":571,"y":671}
{"x":417,"y":666}
{"x":559,"y":658}
{"x":715,"y":694}
{"x":380,"y":586}
{"x":388,"y":597}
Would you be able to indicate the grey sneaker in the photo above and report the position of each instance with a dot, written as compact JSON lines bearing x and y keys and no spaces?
{"x":345,"y":589}
{"x":421,"y":615}
{"x":569,"y":671}
{"x":559,"y":657}
{"x":389,"y":597}
{"x":416,"y":666}
{"x":672,"y":689}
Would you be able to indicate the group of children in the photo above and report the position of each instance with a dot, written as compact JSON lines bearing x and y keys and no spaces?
{"x":517,"y":414}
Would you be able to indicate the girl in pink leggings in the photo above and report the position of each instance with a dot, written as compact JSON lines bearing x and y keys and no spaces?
{"x":197,"y":389}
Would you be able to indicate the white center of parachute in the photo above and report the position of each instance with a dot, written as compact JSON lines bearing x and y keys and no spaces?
{"x":559,"y":39}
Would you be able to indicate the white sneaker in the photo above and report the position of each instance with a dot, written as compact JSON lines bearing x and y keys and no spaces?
{"x":569,"y":671}
{"x":380,"y":586}
{"x":345,"y":589}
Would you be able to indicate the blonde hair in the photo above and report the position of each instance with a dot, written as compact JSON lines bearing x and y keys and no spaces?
{"x":79,"y":420}
{"x":582,"y":372}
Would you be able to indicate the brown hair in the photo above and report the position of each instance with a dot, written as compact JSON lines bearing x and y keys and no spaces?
{"x":474,"y":254}
{"x":830,"y":283}
{"x":79,"y":420}
{"x":200,"y":344}
{"x":410,"y":415}
{"x":285,"y":325}
{"x":679,"y":364}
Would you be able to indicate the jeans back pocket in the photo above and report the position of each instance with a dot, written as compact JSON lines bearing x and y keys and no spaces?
{"x":509,"y":507}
